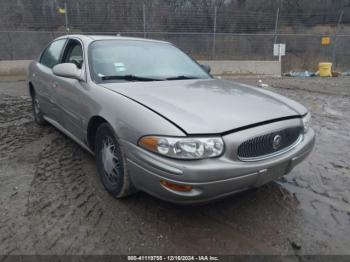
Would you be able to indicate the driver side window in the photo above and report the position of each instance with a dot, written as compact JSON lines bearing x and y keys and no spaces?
{"x":51,"y":56}
{"x":74,"y":53}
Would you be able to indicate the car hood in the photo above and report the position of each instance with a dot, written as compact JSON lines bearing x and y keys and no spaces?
{"x":209,"y":106}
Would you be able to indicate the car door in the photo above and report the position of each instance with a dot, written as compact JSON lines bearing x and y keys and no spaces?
{"x":72,"y":94}
{"x":44,"y":79}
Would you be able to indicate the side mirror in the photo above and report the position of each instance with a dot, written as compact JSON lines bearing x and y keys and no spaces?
{"x":206,"y":68}
{"x":68,"y":70}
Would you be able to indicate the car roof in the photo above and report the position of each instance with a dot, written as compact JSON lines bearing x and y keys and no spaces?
{"x":91,"y":38}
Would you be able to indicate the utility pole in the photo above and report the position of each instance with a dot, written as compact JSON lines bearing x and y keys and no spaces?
{"x":66,"y":17}
{"x":144,"y":19}
{"x":276,"y":25}
{"x":214,"y":33}
{"x":334,"y":51}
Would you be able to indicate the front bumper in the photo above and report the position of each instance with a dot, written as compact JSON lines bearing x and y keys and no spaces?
{"x":213,"y":178}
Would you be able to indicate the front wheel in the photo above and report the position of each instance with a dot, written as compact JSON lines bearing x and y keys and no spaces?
{"x":37,"y":113}
{"x":111,"y":164}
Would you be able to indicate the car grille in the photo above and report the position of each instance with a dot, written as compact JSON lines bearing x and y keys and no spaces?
{"x":264,"y":145}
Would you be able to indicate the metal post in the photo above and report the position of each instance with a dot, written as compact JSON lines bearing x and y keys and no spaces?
{"x":11,"y":45}
{"x":280,"y":54}
{"x":214,"y":33}
{"x":276,"y":25}
{"x":334,"y":51}
{"x":144,"y":20}
{"x":66,"y":17}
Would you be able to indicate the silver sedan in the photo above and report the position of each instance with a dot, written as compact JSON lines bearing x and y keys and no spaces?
{"x":157,"y":121}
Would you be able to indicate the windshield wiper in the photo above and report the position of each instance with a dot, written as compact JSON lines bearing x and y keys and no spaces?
{"x":182,"y":77}
{"x":129,"y":78}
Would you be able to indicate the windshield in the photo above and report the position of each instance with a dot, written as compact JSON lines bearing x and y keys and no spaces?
{"x":123,"y":60}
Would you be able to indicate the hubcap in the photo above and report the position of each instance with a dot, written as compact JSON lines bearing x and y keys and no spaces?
{"x":110,"y":160}
{"x":36,"y":107}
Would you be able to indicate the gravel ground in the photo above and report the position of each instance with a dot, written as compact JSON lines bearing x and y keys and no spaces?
{"x":52,"y":202}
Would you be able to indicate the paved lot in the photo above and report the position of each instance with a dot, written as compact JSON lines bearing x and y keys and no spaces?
{"x":52,"y":202}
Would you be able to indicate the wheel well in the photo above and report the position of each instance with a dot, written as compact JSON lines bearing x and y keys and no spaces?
{"x":93,"y":125}
{"x":31,"y":89}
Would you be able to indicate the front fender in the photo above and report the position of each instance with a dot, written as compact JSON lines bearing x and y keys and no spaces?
{"x":129,"y":119}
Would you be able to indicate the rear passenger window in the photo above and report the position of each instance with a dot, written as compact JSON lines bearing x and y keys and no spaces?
{"x":51,"y":55}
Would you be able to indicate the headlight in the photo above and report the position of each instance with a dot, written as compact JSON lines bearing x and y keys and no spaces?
{"x":184,"y":148}
{"x":307,"y":122}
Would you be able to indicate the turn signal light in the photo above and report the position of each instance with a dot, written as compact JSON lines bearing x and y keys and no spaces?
{"x":149,"y":142}
{"x":176,"y":187}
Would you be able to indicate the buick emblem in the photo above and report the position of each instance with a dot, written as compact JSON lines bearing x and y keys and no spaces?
{"x":276,"y":142}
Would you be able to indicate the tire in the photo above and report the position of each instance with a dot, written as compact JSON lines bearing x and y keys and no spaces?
{"x":37,"y":113}
{"x":111,"y":165}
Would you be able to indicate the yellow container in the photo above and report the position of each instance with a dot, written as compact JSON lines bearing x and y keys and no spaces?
{"x":325,"y":69}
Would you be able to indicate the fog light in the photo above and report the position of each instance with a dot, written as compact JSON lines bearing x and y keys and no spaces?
{"x":176,"y":187}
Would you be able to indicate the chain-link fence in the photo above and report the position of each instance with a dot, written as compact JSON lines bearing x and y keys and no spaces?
{"x":210,"y":33}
